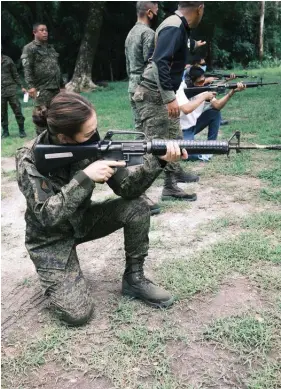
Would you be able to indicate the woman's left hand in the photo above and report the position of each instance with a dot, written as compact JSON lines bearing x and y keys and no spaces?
{"x":174,"y":152}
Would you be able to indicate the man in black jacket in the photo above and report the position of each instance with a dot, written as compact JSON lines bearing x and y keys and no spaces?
{"x":155,"y":96}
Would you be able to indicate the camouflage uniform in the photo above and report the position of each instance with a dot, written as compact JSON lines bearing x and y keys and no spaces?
{"x":9,"y":82}
{"x":42,"y":72}
{"x":137,"y":46}
{"x":61,"y":215}
{"x":160,"y":80}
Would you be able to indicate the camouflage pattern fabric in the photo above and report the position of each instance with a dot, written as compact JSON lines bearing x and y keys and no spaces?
{"x":16,"y":107}
{"x":156,"y":123}
{"x":137,"y":46}
{"x":41,"y":67}
{"x":60,"y":214}
{"x":67,"y":289}
{"x":42,"y":72}
{"x":44,"y":99}
{"x":137,"y":120}
{"x":9,"y":77}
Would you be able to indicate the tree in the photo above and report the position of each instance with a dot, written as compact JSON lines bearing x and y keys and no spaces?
{"x":82,"y":77}
{"x":262,"y":11}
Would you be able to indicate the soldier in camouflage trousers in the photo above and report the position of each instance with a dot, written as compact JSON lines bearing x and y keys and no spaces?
{"x":41,"y":69}
{"x":155,"y":96}
{"x":137,"y":48}
{"x":60,"y":213}
{"x":9,"y":82}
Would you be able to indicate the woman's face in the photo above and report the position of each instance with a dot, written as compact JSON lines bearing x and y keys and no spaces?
{"x":87,"y":130}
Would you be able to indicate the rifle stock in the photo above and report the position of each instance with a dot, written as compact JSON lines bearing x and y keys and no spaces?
{"x":52,"y":157}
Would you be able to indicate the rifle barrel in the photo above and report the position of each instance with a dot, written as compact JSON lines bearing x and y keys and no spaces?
{"x":254,"y":147}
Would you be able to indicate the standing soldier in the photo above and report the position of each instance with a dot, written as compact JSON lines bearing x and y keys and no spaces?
{"x":41,"y":69}
{"x":137,"y":46}
{"x":9,"y":81}
{"x":155,"y":96}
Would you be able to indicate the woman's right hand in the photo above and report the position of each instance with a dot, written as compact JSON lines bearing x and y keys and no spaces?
{"x":208,"y":96}
{"x":101,"y":171}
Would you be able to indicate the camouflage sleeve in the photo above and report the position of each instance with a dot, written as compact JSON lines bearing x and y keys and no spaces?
{"x":127,"y":64}
{"x":147,"y":42}
{"x":28,"y":63}
{"x":15,"y":74}
{"x":132,"y":183}
{"x":49,"y":208}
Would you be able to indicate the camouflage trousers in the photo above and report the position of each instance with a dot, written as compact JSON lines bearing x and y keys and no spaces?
{"x":67,"y":288}
{"x":137,"y":120}
{"x":44,"y":99}
{"x":16,"y":107}
{"x":155,"y":121}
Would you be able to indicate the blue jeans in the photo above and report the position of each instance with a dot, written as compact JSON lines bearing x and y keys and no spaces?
{"x":210,"y":118}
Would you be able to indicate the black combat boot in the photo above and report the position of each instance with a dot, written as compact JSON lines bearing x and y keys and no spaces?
{"x":182,"y":176}
{"x":5,"y":132}
{"x":172,"y":192}
{"x":135,"y":285}
{"x":21,"y":131}
{"x":154,"y":207}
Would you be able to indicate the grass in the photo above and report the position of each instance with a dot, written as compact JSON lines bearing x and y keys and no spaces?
{"x":127,"y":343}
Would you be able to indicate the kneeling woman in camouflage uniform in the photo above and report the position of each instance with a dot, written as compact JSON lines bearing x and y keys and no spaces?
{"x":60,"y":213}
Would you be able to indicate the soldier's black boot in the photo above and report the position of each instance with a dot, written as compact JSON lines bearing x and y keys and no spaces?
{"x":21,"y":131}
{"x":172,"y":192}
{"x":135,"y":285}
{"x":182,"y":176}
{"x":154,"y":207}
{"x":5,"y":132}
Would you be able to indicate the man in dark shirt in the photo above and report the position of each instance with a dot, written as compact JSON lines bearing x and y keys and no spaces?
{"x":155,"y":96}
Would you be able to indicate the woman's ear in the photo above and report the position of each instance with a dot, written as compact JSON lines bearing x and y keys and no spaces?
{"x":64,"y":138}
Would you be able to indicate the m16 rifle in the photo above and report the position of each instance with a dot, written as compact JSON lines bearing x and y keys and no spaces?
{"x":218,"y":74}
{"x":52,"y":157}
{"x":192,"y":91}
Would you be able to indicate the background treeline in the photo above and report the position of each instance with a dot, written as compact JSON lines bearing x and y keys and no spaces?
{"x":232,"y":30}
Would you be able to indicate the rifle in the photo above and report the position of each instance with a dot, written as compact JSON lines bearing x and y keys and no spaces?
{"x":51,"y":157}
{"x":221,"y":75}
{"x":195,"y":90}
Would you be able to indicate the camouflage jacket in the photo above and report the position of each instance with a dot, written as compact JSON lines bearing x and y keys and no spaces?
{"x":137,"y":45}
{"x":41,"y":67}
{"x":57,"y":204}
{"x":9,"y":77}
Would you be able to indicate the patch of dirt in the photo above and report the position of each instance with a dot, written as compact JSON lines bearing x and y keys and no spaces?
{"x":204,"y":366}
{"x":199,"y":363}
{"x":236,"y":296}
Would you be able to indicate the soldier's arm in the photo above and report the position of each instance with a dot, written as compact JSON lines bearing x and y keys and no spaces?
{"x":49,"y":208}
{"x":15,"y":74}
{"x":28,"y":65}
{"x":131,"y":183}
{"x":147,"y":44}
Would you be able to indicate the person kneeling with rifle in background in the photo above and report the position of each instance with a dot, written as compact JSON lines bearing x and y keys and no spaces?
{"x":196,"y":114}
{"x":60,"y":213}
{"x":198,"y":60}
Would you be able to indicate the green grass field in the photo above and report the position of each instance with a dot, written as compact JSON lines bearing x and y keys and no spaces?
{"x":224,"y":330}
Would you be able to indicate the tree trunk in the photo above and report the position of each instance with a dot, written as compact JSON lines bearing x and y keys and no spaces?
{"x":262,"y":11}
{"x":82,"y":77}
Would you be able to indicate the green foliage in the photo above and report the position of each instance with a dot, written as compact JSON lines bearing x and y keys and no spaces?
{"x":230,"y":28}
